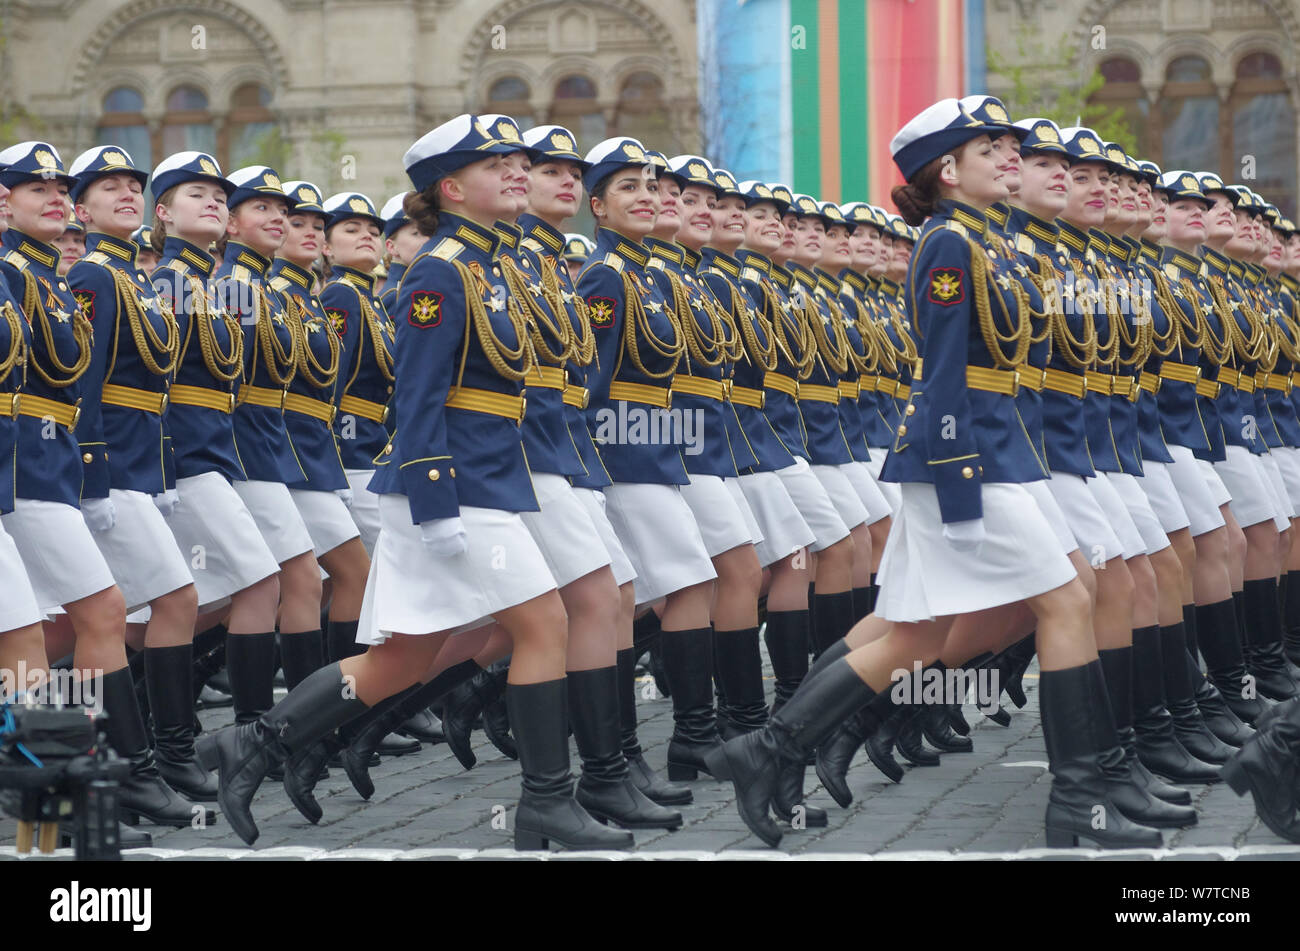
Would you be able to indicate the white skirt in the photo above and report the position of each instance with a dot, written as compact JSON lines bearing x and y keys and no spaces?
{"x":1288,"y":465}
{"x":593,"y":502}
{"x":842,"y":494}
{"x":62,"y":560}
{"x":141,"y":551}
{"x":218,"y":537}
{"x":1144,"y":517}
{"x":411,"y":591}
{"x":661,"y":538}
{"x":563,"y":530}
{"x":814,"y":504}
{"x":1092,"y":529}
{"x":922,"y":576}
{"x":1252,"y":494}
{"x":277,"y":518}
{"x":1281,"y":500}
{"x":742,"y":503}
{"x":869,"y":494}
{"x":327,"y":519}
{"x":1158,"y":486}
{"x":1193,"y":491}
{"x":1117,"y":514}
{"x":721,"y":523}
{"x":875,"y":467}
{"x":365,"y":506}
{"x":783,"y":529}
{"x":1052,"y":512}
{"x":18,"y":607}
{"x":1218,"y":490}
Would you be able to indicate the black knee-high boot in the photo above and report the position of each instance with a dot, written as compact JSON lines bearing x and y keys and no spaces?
{"x":1215,"y":712}
{"x":1291,"y":616}
{"x":1157,"y":743}
{"x":864,"y":600}
{"x":651,"y":784}
{"x":688,"y":659}
{"x":1124,"y":786}
{"x":1220,"y":643}
{"x":250,"y":659}
{"x":245,"y":755}
{"x":832,"y":618}
{"x":341,"y":641}
{"x":756,"y":761}
{"x":300,"y":654}
{"x":1078,"y":789}
{"x":144,"y":794}
{"x":547,"y":809}
{"x":936,"y":725}
{"x":738,"y":672}
{"x":1180,"y":698}
{"x":786,"y":637}
{"x":788,"y":796}
{"x":167,"y":675}
{"x":1262,"y":639}
{"x":1117,"y":668}
{"x":606,"y":789}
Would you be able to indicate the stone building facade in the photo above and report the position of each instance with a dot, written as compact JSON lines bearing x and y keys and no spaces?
{"x":335,"y":91}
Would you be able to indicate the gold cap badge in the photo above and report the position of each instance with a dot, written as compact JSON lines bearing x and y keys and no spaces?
{"x":697,"y":170}
{"x":44,"y":159}
{"x":1047,"y":133}
{"x":763,"y":191}
{"x":507,"y":131}
{"x":1188,"y":181}
{"x":112,"y":157}
{"x":725,"y":181}
{"x":208,"y":167}
{"x":271,"y":181}
{"x":1089,"y":146}
{"x":359,"y":205}
{"x":305,"y":194}
{"x":996,"y":112}
{"x":562,"y":142}
{"x":633,"y":151}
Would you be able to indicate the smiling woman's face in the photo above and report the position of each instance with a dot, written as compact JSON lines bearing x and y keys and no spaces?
{"x":260,"y":223}
{"x":40,"y":209}
{"x":112,"y":204}
{"x":1088,"y":195}
{"x":1044,"y":184}
{"x":630,"y":203}
{"x":195,"y":211}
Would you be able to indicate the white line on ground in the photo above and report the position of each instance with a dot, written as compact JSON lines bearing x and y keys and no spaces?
{"x":302,"y":853}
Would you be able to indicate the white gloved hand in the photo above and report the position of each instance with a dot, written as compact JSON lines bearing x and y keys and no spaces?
{"x":167,"y":502}
{"x":445,"y":536}
{"x":345,"y":495}
{"x":100,"y":514}
{"x":964,"y":536}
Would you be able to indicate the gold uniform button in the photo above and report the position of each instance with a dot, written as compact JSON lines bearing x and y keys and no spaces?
{"x":967,"y":472}
{"x":390,"y":389}
{"x":910,"y":409}
{"x":434,"y":475}
{"x":87,"y":458}
{"x":902,"y":430}
{"x":388,"y":450}
{"x":453,"y":472}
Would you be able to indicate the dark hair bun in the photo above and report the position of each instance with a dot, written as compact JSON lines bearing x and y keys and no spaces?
{"x":912,"y":204}
{"x":422,"y":209}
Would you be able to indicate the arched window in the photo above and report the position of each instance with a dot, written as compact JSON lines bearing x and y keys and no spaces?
{"x":575,"y":108}
{"x":249,"y":126}
{"x":187,"y":123}
{"x":510,"y":96}
{"x":642,"y":113}
{"x":1189,"y":117}
{"x":1264,"y":130}
{"x":123,"y":124}
{"x":1123,"y":90}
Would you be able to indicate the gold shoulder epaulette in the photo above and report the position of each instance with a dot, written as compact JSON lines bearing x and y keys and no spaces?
{"x":1025,"y":244}
{"x":655,"y":263}
{"x":751,"y":274}
{"x":614,"y":261}
{"x":532,"y":244}
{"x":179,"y":266}
{"x":447,"y":249}
{"x":240,"y":273}
{"x":279,"y":282}
{"x":954,"y":225}
{"x":16,"y":259}
{"x":97,"y":257}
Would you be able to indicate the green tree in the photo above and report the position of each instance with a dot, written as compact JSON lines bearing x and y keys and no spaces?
{"x":1039,"y":84}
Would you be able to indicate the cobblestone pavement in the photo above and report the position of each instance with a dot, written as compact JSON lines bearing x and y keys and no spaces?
{"x":985,"y":804}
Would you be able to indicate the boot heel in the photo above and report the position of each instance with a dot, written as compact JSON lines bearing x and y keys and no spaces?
{"x":1235,"y":776}
{"x":130,"y":818}
{"x":679,"y":772}
{"x":1061,"y":839}
{"x":531,"y":841}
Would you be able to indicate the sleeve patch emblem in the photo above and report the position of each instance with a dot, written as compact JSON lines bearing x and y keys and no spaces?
{"x":338,"y":320}
{"x":602,"y":311}
{"x":86,"y":301}
{"x":946,"y":286}
{"x":426,"y":309}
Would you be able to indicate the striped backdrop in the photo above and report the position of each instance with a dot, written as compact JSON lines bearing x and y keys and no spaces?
{"x":810,"y":92}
